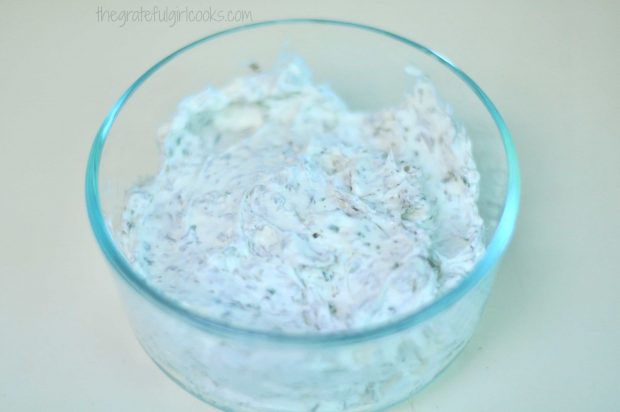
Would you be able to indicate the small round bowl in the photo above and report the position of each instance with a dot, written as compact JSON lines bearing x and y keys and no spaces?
{"x":248,"y":370}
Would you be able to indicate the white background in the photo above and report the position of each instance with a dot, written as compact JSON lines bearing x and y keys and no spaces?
{"x":550,"y":337}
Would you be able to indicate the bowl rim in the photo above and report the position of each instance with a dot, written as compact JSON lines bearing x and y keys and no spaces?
{"x":495,"y":249}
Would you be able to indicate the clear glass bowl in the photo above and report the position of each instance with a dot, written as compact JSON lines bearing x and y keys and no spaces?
{"x":243,"y":370}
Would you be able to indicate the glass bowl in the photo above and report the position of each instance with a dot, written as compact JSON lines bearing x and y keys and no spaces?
{"x":248,"y":370}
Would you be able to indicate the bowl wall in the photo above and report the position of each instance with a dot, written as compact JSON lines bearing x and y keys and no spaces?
{"x":253,"y":374}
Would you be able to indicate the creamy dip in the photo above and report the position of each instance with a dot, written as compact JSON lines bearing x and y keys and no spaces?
{"x":278,"y":208}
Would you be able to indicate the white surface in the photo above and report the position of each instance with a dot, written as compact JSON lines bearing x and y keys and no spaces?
{"x":550,"y":337}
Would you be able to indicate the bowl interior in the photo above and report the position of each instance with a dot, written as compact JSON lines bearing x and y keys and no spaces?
{"x":365,"y":66}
